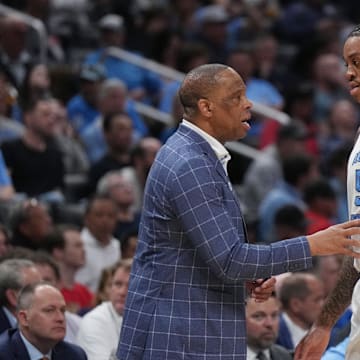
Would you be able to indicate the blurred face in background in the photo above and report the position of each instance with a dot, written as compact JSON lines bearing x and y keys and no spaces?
{"x":4,"y":243}
{"x":121,"y":190}
{"x":119,"y":136}
{"x":39,"y":77}
{"x":41,"y":119}
{"x":101,"y":219}
{"x":74,"y":251}
{"x":119,"y":289}
{"x":38,"y":223}
{"x":262,"y":322}
{"x":43,"y":322}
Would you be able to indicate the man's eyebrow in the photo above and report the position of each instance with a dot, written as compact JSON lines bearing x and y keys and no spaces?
{"x":355,"y":53}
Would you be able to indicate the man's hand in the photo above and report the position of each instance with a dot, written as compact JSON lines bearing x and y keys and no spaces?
{"x":336,"y":240}
{"x":313,"y":345}
{"x":261,"y":289}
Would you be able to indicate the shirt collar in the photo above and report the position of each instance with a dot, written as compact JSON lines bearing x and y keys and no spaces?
{"x":297,"y":332}
{"x":251,"y":354}
{"x":219,"y":149}
{"x":33,"y":352}
{"x":10,"y":316}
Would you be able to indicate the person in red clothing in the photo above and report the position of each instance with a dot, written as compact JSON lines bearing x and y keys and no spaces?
{"x":66,"y":246}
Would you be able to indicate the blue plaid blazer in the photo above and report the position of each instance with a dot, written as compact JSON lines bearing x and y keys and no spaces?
{"x":186,"y":296}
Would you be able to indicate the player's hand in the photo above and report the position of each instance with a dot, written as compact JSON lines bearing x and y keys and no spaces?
{"x":336,"y":239}
{"x":261,"y":289}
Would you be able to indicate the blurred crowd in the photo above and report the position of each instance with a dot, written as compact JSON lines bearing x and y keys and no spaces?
{"x":75,"y":151}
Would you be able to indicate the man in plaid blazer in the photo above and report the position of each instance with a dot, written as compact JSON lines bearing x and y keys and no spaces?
{"x":186,"y":296}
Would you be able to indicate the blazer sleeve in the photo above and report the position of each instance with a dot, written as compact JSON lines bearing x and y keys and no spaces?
{"x":205,"y":206}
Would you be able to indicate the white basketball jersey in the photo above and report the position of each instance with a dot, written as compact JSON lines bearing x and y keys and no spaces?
{"x":353,"y":187}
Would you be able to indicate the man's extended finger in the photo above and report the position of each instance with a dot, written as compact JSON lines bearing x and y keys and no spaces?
{"x":350,"y":224}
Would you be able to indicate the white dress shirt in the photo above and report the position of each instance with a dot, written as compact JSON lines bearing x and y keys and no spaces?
{"x":99,"y":332}
{"x":98,"y":257}
{"x":296,"y":332}
{"x":252,"y":355}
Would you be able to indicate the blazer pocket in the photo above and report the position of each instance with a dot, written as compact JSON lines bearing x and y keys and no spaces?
{"x":199,"y":321}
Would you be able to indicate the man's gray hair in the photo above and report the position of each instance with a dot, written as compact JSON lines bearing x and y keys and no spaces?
{"x":11,"y":276}
{"x":103,"y":186}
{"x":110,"y":84}
{"x":26,"y":295}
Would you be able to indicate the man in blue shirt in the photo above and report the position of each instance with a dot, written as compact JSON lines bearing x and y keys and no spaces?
{"x":141,"y":83}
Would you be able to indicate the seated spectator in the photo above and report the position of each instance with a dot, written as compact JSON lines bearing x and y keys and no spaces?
{"x":142,"y":157}
{"x":299,"y":105}
{"x":37,"y":83}
{"x":30,"y":223}
{"x":14,"y":56}
{"x":257,"y":90}
{"x":320,"y":199}
{"x":67,"y":248}
{"x":34,"y":162}
{"x":103,"y":291}
{"x":143,"y":84}
{"x":289,"y":222}
{"x":41,"y":332}
{"x":336,"y":171}
{"x":266,"y":170}
{"x":118,"y":131}
{"x":74,"y":157}
{"x":10,"y":129}
{"x":300,"y":20}
{"x":14,"y":274}
{"x":297,"y":170}
{"x":329,"y":84}
{"x":129,"y":242}
{"x":262,"y":325}
{"x":5,"y":240}
{"x":211,"y":30}
{"x":41,"y":11}
{"x":115,"y":185}
{"x":339,"y":128}
{"x":190,"y":55}
{"x":112,"y":98}
{"x":269,"y":64}
{"x":7,"y":190}
{"x":101,"y":248}
{"x":100,"y":328}
{"x":50,"y":273}
{"x":82,"y":108}
{"x":302,"y":297}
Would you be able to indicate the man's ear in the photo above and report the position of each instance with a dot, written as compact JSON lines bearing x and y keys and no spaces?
{"x":22,"y":318}
{"x":205,"y":107}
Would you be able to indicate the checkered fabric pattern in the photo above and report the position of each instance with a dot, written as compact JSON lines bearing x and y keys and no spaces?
{"x":186,"y":295}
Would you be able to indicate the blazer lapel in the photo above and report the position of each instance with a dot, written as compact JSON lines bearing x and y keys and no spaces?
{"x":18,"y":347}
{"x":205,"y":148}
